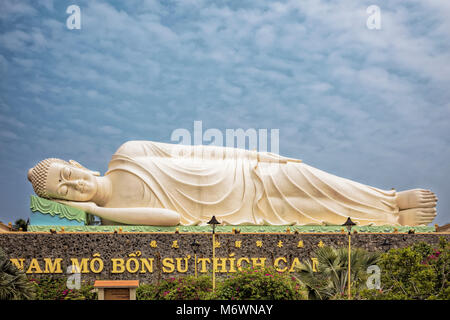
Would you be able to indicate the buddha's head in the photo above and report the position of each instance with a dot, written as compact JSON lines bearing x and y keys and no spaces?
{"x":58,"y":179}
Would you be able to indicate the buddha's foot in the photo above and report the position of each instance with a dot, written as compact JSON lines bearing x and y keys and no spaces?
{"x":417,"y":207}
{"x":416,"y":216}
{"x":416,"y":198}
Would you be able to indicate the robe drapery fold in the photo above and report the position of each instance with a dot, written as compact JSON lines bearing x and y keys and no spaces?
{"x":242,"y":187}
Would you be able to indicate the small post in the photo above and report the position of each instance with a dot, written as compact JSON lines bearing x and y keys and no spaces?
{"x":195,"y":265}
{"x":214,"y":261}
{"x":349,"y":264}
{"x":195,"y":246}
{"x":213,"y":222}
{"x":349,"y":224}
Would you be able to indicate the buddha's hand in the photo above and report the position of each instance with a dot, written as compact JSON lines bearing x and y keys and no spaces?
{"x":85,"y":206}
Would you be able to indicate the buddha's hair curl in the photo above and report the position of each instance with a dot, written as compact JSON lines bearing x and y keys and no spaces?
{"x":38,"y":175}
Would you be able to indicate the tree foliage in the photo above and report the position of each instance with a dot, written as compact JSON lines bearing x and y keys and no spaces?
{"x":22,"y":224}
{"x":330,"y":281}
{"x":52,"y":288}
{"x":181,"y":288}
{"x":260,"y":284}
{"x":14,"y":284}
{"x":418,"y":272}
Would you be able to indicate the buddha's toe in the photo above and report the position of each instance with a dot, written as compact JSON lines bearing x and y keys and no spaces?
{"x":426,"y":215}
{"x":428,"y":204}
{"x":425,"y":191}
{"x":427,"y":200}
{"x":428,"y":211}
{"x":429,"y":197}
{"x":417,"y":216}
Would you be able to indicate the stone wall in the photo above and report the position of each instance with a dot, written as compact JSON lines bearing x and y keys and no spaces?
{"x":285,"y":249}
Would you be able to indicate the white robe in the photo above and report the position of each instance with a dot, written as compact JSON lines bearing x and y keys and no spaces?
{"x":247,"y":187}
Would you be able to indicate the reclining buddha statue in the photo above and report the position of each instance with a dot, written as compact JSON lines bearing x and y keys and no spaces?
{"x":151,"y":183}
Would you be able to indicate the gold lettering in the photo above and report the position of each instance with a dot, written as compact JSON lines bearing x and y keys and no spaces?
{"x":168,"y":266}
{"x":118,"y":265}
{"x":148,"y":263}
{"x":179,"y":269}
{"x":153,"y":244}
{"x":315,"y":262}
{"x":257,"y":264}
{"x":277,"y":261}
{"x":54,"y":267}
{"x":100,"y":265}
{"x":203,"y":262}
{"x":34,"y":265}
{"x":18,"y":263}
{"x":222,"y":264}
{"x":232,"y":268}
{"x":136,"y":265}
{"x":295,"y":264}
{"x":239,"y":262}
{"x":80,"y":266}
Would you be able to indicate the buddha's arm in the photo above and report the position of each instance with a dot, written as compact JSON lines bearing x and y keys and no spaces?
{"x":131,"y":216}
{"x":139,"y":216}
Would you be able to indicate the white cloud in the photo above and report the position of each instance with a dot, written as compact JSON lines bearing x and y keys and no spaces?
{"x":109,"y":130}
{"x":8,"y":135}
{"x":265,"y":36}
{"x":48,"y":4}
{"x":11,"y":9}
{"x":14,"y":40}
{"x":24,"y":63}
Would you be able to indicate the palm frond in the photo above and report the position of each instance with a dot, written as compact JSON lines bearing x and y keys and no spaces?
{"x":14,"y":284}
{"x":331,"y":277}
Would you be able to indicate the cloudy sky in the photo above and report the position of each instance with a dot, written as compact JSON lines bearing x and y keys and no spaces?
{"x":369,"y":105}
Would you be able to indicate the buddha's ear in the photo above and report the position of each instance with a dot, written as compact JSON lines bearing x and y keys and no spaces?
{"x":78,"y":165}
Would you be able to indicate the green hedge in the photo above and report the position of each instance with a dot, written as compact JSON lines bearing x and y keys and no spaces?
{"x":257,"y":284}
{"x":181,"y":288}
{"x":419,"y":272}
{"x":51,"y":288}
{"x":260,"y":284}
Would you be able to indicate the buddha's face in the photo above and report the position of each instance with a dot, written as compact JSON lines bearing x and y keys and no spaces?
{"x":70,"y":183}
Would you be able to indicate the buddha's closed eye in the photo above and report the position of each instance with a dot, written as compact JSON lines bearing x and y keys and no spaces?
{"x":66,"y":173}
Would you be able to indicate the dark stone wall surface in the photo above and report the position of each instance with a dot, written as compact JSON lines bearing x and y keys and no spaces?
{"x":107,"y":246}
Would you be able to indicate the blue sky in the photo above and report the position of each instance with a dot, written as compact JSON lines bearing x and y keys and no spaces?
{"x":369,"y":105}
